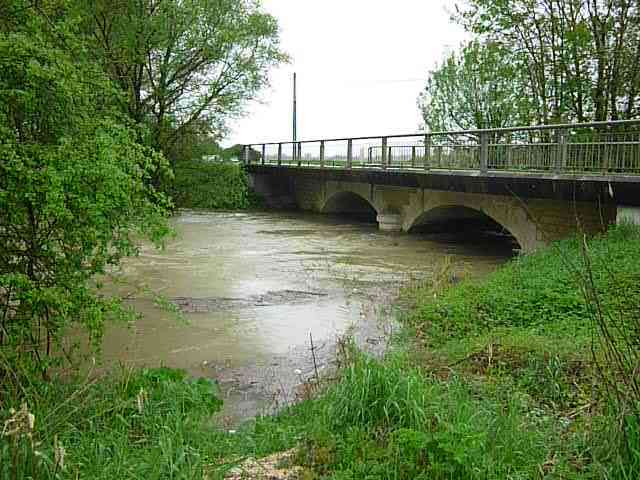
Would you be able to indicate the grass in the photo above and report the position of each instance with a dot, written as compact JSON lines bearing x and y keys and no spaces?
{"x":137,"y":424}
{"x":501,"y":377}
{"x":494,"y":378}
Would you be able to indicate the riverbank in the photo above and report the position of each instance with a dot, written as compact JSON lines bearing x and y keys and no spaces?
{"x":490,"y":378}
{"x":527,"y":373}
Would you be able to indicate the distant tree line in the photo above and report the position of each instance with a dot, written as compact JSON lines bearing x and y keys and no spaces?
{"x":538,"y":62}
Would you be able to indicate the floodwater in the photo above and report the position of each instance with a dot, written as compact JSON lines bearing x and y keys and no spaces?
{"x":255,"y":288}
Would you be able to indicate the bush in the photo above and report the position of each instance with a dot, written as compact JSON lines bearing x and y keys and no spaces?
{"x":200,"y":184}
{"x":74,"y":190}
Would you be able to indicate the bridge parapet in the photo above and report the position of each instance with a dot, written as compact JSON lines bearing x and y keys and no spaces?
{"x":599,"y":148}
{"x":538,"y":183}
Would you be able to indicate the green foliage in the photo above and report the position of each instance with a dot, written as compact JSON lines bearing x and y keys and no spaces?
{"x":543,"y":291}
{"x":386,"y":420}
{"x":74,"y":187}
{"x":577,"y":55}
{"x":479,"y":87}
{"x":184,"y":66}
{"x":151,"y":423}
{"x":220,"y":185}
{"x":374,"y":394}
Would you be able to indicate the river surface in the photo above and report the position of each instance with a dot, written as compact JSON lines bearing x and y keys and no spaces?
{"x":254,"y":288}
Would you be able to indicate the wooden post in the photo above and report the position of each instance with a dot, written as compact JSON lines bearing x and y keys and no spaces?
{"x":349,"y":154}
{"x":427,"y":152}
{"x":484,"y":152}
{"x":279,"y":154}
{"x":264,"y":153}
{"x":299,"y":154}
{"x":384,"y":153}
{"x":322,"y":154}
{"x":413,"y":156}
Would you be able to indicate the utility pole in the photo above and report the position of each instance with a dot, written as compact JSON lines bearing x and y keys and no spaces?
{"x":295,"y":118}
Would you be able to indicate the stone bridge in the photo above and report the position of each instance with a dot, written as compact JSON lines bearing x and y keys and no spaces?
{"x":566,"y":186}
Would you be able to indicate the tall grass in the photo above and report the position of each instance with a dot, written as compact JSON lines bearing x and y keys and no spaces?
{"x":151,"y":423}
{"x":385,"y":419}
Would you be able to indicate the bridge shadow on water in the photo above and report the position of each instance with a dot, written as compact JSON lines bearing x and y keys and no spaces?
{"x":467,"y":228}
{"x":349,"y":206}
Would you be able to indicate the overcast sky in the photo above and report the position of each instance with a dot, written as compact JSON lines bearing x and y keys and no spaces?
{"x":361,"y":65}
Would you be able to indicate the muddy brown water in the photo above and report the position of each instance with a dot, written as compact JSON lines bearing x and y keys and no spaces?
{"x":253,"y":288}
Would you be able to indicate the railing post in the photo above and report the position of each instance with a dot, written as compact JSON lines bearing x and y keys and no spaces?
{"x":322,"y":154}
{"x":279,"y":154}
{"x":349,"y":154}
{"x":413,"y":156}
{"x":605,"y":153}
{"x":427,"y":152}
{"x":384,"y":153}
{"x":484,"y":152}
{"x":299,"y":155}
{"x":264,"y":154}
{"x":561,"y":156}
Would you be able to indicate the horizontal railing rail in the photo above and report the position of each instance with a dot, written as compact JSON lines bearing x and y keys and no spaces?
{"x":597,"y":147}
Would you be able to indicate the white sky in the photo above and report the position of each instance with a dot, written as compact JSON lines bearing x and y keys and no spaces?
{"x":361,"y":65}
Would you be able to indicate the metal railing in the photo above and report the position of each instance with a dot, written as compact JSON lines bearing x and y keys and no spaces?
{"x":610,"y":148}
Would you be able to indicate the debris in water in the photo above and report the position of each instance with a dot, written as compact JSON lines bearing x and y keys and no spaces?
{"x":270,"y":298}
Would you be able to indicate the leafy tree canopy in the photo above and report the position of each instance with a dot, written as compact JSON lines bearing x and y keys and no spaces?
{"x":74,"y":183}
{"x":581,"y":58}
{"x":185,"y":65}
{"x":478,"y":87}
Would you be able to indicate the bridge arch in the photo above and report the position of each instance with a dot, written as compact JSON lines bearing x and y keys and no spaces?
{"x":350,"y":203}
{"x":510,"y":220}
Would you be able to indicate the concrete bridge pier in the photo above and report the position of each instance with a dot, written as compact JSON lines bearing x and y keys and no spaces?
{"x":389,"y":222}
{"x":626,"y":214}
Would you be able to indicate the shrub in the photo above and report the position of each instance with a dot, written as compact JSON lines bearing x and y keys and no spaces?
{"x":200,"y":184}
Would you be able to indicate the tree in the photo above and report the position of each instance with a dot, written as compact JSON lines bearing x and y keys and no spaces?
{"x":582,"y":57}
{"x":185,"y":63}
{"x":479,"y":87}
{"x":74,"y":190}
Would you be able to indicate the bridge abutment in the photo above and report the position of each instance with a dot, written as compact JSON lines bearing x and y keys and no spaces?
{"x":626,"y":214}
